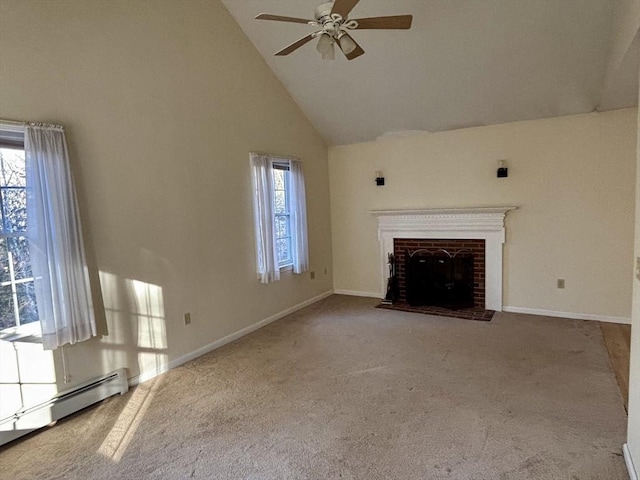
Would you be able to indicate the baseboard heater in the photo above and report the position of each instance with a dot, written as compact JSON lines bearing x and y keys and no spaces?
{"x":63,"y":404}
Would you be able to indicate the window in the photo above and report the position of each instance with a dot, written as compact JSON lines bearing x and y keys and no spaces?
{"x":280,"y":216}
{"x":44,"y":282}
{"x":17,"y":295}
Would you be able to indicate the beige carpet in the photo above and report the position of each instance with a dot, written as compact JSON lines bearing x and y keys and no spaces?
{"x":345,"y":390}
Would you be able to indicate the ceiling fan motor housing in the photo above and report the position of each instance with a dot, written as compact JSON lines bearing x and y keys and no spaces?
{"x":323,"y":12}
{"x":332,"y":23}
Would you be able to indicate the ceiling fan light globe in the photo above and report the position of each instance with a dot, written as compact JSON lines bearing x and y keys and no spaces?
{"x":325,"y":44}
{"x":347,"y":44}
{"x":330,"y":54}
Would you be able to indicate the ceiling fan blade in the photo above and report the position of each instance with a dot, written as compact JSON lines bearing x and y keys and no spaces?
{"x":343,"y":7}
{"x":295,"y":45}
{"x":400,"y":22}
{"x":356,"y":52}
{"x":280,"y":18}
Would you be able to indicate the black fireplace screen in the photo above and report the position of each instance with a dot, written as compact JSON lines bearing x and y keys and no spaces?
{"x":439,"y":278}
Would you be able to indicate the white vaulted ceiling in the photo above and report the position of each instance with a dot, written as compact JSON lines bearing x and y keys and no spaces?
{"x":463,"y":63}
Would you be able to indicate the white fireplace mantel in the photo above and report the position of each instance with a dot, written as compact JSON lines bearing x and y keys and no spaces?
{"x":485,"y":223}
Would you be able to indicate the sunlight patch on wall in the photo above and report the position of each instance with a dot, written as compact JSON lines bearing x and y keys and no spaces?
{"x":136,"y":323}
{"x":152,"y":333}
{"x":149,"y":308}
{"x":27,"y":377}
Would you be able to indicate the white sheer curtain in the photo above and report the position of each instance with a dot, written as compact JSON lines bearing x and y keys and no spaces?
{"x":63,"y":293}
{"x":264,"y":222}
{"x":298,"y":212}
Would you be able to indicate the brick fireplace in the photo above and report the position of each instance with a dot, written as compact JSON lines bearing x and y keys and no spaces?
{"x":460,"y":225}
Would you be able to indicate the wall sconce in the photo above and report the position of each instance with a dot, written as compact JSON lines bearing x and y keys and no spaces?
{"x":503,"y":171}
{"x":379,"y":178}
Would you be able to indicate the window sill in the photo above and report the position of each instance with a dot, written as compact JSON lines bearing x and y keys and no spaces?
{"x":286,"y":268}
{"x":29,"y":333}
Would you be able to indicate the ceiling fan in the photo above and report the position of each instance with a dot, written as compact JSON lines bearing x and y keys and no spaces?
{"x":333,"y":20}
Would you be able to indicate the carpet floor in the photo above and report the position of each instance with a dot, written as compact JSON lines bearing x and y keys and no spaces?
{"x":343,"y":390}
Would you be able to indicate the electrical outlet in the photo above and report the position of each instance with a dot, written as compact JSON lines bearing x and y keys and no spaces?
{"x":312,"y":274}
{"x":187,"y":318}
{"x":561,"y":283}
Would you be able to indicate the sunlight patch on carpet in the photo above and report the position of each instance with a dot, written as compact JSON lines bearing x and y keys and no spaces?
{"x":115,"y":444}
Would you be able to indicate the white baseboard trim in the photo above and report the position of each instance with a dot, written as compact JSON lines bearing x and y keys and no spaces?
{"x":575,"y":316}
{"x":176,"y":362}
{"x":633,"y":475}
{"x":355,"y":293}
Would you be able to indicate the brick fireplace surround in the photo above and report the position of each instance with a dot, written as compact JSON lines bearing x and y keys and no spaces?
{"x":465,"y":226}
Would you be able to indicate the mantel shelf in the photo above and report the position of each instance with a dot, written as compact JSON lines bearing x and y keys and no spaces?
{"x":444,"y":211}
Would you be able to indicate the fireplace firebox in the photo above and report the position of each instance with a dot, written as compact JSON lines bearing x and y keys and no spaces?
{"x":470,"y":264}
{"x":441,"y":278}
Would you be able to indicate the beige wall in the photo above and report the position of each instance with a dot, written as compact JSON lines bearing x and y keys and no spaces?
{"x":163,"y":100}
{"x":633,"y":428}
{"x":572,"y":177}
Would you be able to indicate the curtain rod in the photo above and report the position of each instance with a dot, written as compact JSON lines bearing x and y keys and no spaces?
{"x":13,"y":122}
{"x":274,"y":155}
{"x":17,"y":126}
{"x":12,"y":128}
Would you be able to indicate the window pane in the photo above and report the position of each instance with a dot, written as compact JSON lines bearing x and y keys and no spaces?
{"x":19,"y":248}
{"x":281,"y":201}
{"x":14,"y":206}
{"x":282,"y":226}
{"x":17,"y":296}
{"x":12,"y":168}
{"x":27,"y":303}
{"x":12,"y":193}
{"x":283,"y":250}
{"x":4,"y":262}
{"x":7,"y":316}
{"x":278,"y":179}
